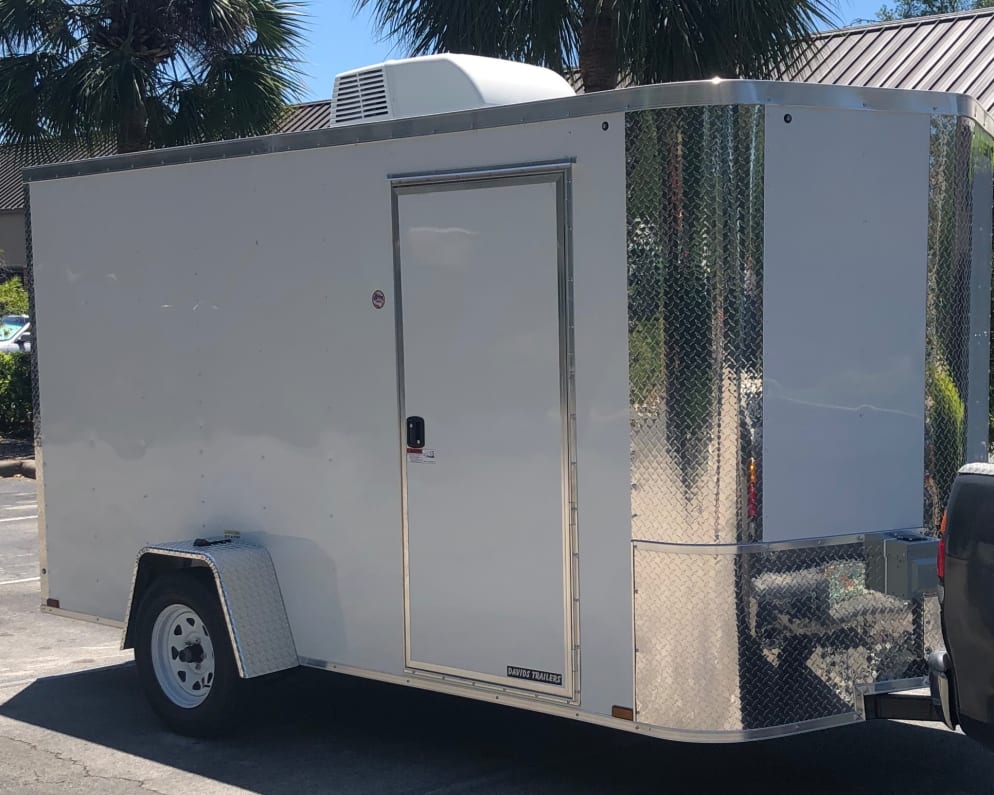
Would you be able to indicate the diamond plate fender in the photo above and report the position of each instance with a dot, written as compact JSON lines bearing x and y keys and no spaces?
{"x":249,"y":592}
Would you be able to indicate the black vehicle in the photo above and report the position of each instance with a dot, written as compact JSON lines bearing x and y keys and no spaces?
{"x":962,"y":675}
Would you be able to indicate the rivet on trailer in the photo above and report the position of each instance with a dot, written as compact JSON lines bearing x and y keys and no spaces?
{"x":656,"y":431}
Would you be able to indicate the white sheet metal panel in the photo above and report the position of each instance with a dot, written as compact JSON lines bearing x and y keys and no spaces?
{"x":479,"y":269}
{"x":978,"y":398}
{"x":245,"y":381}
{"x":843,"y":321}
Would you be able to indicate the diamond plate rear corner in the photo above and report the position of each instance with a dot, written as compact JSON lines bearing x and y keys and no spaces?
{"x":751,"y":641}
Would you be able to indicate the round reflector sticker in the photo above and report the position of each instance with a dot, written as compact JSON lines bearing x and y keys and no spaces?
{"x":379,"y":299}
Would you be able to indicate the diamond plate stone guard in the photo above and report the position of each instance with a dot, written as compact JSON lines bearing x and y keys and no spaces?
{"x":250,"y":599}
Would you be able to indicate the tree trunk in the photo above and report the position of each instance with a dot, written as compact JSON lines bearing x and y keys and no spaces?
{"x":132,"y":131}
{"x":599,"y":45}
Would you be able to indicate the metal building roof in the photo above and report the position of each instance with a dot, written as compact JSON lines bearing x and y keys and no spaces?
{"x":299,"y":118}
{"x":948,"y":52}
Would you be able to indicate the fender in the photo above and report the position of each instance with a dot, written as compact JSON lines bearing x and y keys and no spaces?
{"x":247,"y":588}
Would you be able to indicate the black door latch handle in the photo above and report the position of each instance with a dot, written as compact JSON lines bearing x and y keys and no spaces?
{"x":415,"y":433}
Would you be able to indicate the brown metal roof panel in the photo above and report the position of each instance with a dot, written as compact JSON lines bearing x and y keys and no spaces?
{"x":812,"y":60}
{"x":883,"y":64}
{"x":919,"y":50}
{"x":869,"y":52}
{"x":960,"y":72}
{"x":828,"y":60}
{"x":983,"y":88}
{"x":310,"y":116}
{"x":942,"y":57}
{"x":843,"y":58}
{"x":977,"y":79}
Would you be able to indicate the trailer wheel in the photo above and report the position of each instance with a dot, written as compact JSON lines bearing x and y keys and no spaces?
{"x":184,"y":656}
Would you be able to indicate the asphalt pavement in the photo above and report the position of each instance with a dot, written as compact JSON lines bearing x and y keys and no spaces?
{"x":72,"y":719}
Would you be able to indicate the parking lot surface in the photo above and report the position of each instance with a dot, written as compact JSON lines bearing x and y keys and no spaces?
{"x":72,"y":719}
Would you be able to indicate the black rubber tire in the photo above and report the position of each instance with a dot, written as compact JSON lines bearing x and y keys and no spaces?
{"x":216,"y":713}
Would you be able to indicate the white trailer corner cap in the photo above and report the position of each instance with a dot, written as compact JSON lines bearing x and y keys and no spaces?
{"x":434,"y":84}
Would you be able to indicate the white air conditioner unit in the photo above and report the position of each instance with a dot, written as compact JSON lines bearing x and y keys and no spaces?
{"x":438,"y":84}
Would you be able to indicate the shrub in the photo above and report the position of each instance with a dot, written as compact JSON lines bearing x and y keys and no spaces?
{"x":15,"y":393}
{"x":13,"y":297}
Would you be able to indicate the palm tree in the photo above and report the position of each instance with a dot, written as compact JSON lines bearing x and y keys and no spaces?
{"x":145,"y":73}
{"x":645,"y":41}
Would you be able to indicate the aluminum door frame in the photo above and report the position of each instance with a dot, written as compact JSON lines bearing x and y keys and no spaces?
{"x":559,"y":173}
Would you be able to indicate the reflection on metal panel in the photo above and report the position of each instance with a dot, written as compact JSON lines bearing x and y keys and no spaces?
{"x":695,"y":241}
{"x":978,"y":397}
{"x":747,"y":640}
{"x":947,"y":317}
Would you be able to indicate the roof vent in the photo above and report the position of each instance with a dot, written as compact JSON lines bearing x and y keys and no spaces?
{"x":439,"y":84}
{"x":359,"y":95}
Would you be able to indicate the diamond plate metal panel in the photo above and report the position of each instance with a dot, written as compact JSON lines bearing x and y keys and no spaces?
{"x":250,"y":599}
{"x":947,"y":314}
{"x":695,"y":220}
{"x":758,"y":640}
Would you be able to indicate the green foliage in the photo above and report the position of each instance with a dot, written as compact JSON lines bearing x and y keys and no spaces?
{"x":15,"y":392}
{"x":145,"y":74}
{"x":13,"y":298}
{"x":649,"y":41}
{"x":905,"y":9}
{"x":947,"y":415}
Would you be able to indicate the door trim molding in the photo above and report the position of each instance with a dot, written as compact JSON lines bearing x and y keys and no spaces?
{"x":558,"y":173}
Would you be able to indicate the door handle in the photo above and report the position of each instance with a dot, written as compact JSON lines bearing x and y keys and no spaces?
{"x":415,"y":433}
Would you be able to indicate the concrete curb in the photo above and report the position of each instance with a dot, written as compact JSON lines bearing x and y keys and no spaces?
{"x":11,"y":467}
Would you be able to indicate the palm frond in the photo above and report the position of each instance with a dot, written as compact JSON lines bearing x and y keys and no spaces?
{"x":31,"y":24}
{"x":146,"y":72}
{"x":23,"y":100}
{"x":670,"y":40}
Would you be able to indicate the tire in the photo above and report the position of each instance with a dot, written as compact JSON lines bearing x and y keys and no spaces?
{"x":184,"y":657}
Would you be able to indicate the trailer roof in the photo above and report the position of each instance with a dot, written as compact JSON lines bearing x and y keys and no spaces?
{"x":705,"y":92}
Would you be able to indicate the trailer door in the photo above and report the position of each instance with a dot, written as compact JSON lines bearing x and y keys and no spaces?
{"x":486,"y":426}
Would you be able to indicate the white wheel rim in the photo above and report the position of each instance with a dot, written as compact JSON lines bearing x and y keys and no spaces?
{"x":182,"y":656}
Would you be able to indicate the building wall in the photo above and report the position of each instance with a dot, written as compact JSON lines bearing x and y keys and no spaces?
{"x":12,"y":248}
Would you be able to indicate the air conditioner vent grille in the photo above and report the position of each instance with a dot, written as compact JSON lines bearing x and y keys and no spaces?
{"x":360,"y":95}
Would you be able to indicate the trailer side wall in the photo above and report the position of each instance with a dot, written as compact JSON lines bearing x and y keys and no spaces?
{"x":214,"y":362}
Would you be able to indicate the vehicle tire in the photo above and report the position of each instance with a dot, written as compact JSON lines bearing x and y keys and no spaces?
{"x":183,"y":654}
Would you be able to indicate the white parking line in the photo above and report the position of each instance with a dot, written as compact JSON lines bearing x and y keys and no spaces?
{"x":19,"y":518}
{"x":27,"y":506}
{"x":18,"y":582}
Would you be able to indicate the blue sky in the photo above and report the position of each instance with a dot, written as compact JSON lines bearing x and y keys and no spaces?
{"x":339,"y":40}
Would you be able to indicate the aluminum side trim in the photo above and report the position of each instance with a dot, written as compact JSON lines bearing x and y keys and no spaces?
{"x":537,"y":704}
{"x":58,"y":611}
{"x":761,"y":546}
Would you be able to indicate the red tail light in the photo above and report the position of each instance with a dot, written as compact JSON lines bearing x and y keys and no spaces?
{"x":940,"y":560}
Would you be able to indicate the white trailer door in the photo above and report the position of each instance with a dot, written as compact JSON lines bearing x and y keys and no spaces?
{"x":483,"y":338}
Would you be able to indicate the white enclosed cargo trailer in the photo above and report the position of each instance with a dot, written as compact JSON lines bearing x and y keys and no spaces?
{"x":637,"y":407}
